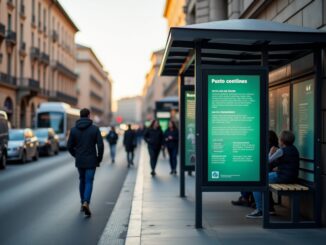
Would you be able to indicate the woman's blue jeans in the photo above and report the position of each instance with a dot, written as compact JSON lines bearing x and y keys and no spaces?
{"x":272,"y":179}
{"x":86,"y":178}
{"x":113,"y":148}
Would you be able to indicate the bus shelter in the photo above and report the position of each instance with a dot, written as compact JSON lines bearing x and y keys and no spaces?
{"x":231,"y":62}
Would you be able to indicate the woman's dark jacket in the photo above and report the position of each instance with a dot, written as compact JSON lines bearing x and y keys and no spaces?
{"x":82,"y":142}
{"x":174,"y":142}
{"x":129,"y":140}
{"x":154,"y":138}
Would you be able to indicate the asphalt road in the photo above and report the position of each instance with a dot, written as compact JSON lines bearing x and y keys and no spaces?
{"x":39,"y":201}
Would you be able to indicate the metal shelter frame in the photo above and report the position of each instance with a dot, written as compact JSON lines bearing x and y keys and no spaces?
{"x":245,"y":43}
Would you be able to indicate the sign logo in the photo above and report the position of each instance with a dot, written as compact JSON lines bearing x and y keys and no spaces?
{"x":308,"y":88}
{"x":215,"y":174}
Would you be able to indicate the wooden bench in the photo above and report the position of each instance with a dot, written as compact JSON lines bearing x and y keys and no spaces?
{"x":294,"y":191}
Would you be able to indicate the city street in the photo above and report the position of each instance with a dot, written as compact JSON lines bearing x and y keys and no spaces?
{"x":40,"y":200}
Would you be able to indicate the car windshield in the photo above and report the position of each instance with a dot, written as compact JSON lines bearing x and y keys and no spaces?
{"x":41,"y":133}
{"x":16,"y":135}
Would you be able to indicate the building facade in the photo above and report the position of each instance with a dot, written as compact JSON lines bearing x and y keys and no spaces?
{"x":175,"y":16}
{"x":94,"y":86}
{"x":288,"y":81}
{"x":154,"y":86}
{"x":130,"y":109}
{"x":37,"y":57}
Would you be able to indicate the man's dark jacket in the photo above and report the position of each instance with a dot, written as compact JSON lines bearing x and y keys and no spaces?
{"x":83,"y":139}
{"x":129,"y":140}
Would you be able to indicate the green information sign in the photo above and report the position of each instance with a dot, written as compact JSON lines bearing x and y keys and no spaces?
{"x":190,"y":129}
{"x":233,"y":128}
{"x":303,"y":118}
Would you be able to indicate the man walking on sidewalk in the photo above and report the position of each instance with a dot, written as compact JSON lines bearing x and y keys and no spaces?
{"x":83,"y":140}
{"x":130,"y":143}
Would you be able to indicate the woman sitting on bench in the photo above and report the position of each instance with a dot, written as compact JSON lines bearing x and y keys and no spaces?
{"x":286,"y":161}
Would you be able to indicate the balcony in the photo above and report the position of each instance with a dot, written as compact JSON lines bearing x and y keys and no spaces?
{"x":22,"y":49}
{"x":22,"y":11}
{"x":55,"y":36}
{"x":96,"y":110}
{"x":10,"y":4}
{"x":35,"y":54}
{"x":7,"y":80}
{"x":66,"y":71}
{"x":29,"y":84}
{"x":11,"y":38}
{"x":45,"y":59}
{"x":2,"y":32}
{"x":95,"y":96}
{"x":63,"y":97}
{"x":45,"y":93}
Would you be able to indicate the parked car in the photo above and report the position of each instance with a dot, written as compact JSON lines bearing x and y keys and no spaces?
{"x":3,"y":139}
{"x":48,"y":141}
{"x":23,"y":145}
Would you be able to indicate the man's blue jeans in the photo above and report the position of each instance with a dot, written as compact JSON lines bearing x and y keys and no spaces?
{"x":113,"y":149}
{"x":272,"y":179}
{"x":86,"y":178}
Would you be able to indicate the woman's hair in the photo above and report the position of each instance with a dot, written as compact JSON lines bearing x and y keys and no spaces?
{"x":174,"y":126}
{"x":152,"y":124}
{"x":273,"y":139}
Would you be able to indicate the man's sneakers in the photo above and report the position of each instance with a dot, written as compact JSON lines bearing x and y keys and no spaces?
{"x":86,"y":209}
{"x":256,"y":214}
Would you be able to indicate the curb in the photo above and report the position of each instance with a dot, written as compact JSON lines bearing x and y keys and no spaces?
{"x":116,"y":228}
{"x":135,"y":220}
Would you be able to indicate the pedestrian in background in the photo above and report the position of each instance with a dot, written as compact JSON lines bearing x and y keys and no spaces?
{"x":154,"y":138}
{"x":83,"y":140}
{"x":139,"y":134}
{"x":130,"y":143}
{"x":171,"y":142}
{"x":112,"y":139}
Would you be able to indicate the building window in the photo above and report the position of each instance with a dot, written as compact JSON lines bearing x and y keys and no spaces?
{"x":44,"y":20}
{"x":21,"y":34}
{"x":9,"y":22}
{"x":39,"y":15}
{"x":33,"y":7}
{"x":22,"y":68}
{"x":39,"y":73}
{"x":33,"y":39}
{"x":32,"y":71}
{"x":9,"y":65}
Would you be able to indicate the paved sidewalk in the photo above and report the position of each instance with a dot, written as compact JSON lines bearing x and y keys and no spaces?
{"x":160,"y":216}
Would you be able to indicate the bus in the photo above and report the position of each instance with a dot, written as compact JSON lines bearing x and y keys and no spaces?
{"x":59,"y":116}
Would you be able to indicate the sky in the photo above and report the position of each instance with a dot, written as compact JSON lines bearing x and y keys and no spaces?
{"x":123,"y":34}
